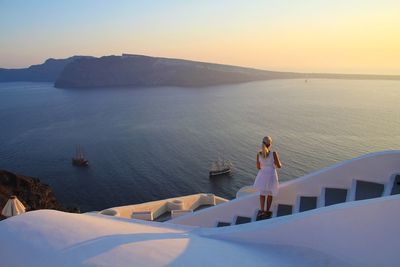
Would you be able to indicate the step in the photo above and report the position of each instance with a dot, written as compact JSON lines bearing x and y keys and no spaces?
{"x":335,"y":196}
{"x":202,"y":207}
{"x":223,"y":224}
{"x":367,"y":190}
{"x":307,"y":203}
{"x":264,"y":217}
{"x":242,"y":220}
{"x":396,"y":186}
{"x":283,"y":210}
{"x":163,"y":217}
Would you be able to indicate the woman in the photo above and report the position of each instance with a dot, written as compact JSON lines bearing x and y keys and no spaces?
{"x":267,"y":178}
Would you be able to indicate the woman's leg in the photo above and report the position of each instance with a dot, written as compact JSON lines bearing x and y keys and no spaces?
{"x":269,"y":202}
{"x":262,"y":202}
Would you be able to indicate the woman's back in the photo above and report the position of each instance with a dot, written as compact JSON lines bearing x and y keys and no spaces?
{"x":267,"y":161}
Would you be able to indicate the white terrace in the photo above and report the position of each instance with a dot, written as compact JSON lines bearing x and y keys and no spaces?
{"x":162,"y":210}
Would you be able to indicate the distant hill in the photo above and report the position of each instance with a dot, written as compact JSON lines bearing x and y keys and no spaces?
{"x":139,"y":70}
{"x":49,"y":71}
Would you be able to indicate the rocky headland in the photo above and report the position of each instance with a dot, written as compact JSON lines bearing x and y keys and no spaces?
{"x":138,"y":70}
{"x":30,"y":191}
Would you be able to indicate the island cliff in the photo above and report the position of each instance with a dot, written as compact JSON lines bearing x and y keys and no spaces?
{"x":30,"y":191}
{"x":138,"y":70}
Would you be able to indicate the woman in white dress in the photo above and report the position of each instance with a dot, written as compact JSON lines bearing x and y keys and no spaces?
{"x":267,"y":178}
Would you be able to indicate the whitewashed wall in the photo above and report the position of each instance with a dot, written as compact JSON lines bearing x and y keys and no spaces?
{"x":362,"y":233}
{"x":375,"y":167}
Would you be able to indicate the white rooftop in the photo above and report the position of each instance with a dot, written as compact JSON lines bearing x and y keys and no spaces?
{"x":51,"y":238}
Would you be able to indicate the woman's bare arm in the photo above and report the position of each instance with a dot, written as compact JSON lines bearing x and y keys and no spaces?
{"x":277,"y":161}
{"x":258,"y":162}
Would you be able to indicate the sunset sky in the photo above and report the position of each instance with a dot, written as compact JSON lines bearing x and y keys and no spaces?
{"x":343,"y":36}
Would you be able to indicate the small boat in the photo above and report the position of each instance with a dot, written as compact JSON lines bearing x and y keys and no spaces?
{"x":220,"y":167}
{"x":79,"y":159}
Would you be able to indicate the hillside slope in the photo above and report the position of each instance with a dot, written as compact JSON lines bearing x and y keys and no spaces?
{"x":45,"y":72}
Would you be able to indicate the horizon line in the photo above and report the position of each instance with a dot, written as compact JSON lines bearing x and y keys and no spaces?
{"x":200,"y":61}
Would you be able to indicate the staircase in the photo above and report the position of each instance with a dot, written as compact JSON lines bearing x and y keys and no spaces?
{"x":369,"y":176}
{"x":360,"y":190}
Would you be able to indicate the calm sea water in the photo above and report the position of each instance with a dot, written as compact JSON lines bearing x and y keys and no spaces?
{"x":153,"y":143}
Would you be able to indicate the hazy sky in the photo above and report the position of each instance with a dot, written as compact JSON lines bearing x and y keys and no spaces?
{"x":346,"y":36}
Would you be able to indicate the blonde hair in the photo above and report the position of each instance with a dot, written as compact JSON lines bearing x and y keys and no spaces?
{"x":265,"y":146}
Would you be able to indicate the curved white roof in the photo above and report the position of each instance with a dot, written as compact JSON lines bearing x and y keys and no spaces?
{"x":51,"y":238}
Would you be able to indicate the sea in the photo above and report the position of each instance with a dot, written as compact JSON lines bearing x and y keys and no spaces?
{"x":152,"y":143}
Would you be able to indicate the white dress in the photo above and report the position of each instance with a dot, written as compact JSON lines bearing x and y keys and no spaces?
{"x":267,"y":178}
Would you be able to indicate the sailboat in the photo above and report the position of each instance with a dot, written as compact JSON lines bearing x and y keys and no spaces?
{"x":79,"y":159}
{"x":220,"y":167}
